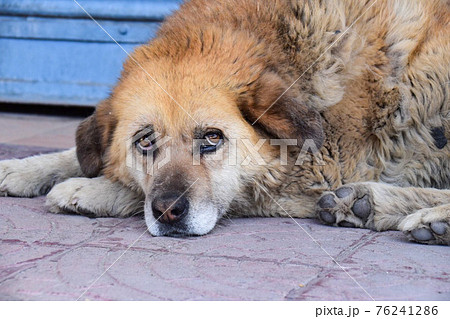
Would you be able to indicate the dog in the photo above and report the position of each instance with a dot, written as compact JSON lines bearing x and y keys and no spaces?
{"x":337,"y":110}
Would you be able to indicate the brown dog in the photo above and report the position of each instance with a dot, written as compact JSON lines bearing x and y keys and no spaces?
{"x":302,"y":108}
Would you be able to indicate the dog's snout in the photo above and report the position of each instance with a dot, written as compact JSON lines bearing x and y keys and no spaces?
{"x":170,"y":208}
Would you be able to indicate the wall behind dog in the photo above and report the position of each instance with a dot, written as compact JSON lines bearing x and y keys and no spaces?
{"x":52,"y":52}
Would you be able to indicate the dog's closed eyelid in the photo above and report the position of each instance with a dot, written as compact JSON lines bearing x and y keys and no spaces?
{"x":201,"y":131}
{"x":143,"y":132}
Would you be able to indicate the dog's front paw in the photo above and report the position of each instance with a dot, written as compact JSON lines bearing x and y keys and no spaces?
{"x":93,"y":197}
{"x":428,"y":226}
{"x":77,"y":196}
{"x":348,"y":206}
{"x":19,"y":179}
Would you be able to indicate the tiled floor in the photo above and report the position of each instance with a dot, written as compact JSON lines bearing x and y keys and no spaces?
{"x":38,"y":130}
{"x":61,"y":257}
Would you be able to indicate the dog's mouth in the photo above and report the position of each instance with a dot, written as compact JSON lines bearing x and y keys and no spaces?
{"x":178,"y":231}
{"x":158,"y":229}
{"x":199,"y":221}
{"x":181,"y":232}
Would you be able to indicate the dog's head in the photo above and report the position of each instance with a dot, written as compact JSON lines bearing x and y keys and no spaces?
{"x":187,"y":137}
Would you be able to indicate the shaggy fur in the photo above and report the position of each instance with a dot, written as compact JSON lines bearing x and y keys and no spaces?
{"x":366,"y":85}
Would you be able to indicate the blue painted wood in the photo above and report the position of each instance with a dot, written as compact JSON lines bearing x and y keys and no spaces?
{"x":76,"y":29}
{"x":99,"y":9}
{"x":58,"y":72}
{"x":50,"y":53}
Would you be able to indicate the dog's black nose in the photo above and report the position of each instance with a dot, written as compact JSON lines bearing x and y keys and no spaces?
{"x":170,"y":208}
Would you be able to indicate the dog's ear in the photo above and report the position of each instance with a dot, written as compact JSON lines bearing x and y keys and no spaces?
{"x":271,"y":109}
{"x":93,"y":138}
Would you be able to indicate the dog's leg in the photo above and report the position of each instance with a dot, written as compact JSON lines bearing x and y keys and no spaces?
{"x":36,"y":175}
{"x":94,"y":197}
{"x":375,"y":205}
{"x":428,"y":225}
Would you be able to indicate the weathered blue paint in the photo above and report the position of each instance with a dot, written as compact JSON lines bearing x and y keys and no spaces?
{"x":99,"y":9}
{"x":52,"y":53}
{"x":76,"y":29}
{"x":58,"y":72}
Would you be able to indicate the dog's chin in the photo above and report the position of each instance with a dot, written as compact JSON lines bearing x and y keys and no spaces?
{"x":193,"y":225}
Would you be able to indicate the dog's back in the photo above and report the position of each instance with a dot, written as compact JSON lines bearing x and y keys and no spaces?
{"x":397,"y":103}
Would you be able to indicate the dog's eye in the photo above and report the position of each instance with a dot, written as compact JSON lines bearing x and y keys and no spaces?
{"x":144,"y":144}
{"x":212,"y":140}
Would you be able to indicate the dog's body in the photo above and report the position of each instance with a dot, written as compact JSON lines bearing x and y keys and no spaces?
{"x":367,"y":85}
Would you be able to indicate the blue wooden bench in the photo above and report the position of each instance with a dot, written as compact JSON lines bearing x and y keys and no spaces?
{"x":51,"y":52}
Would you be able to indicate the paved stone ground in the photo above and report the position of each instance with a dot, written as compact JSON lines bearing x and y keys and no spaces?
{"x":57,"y":257}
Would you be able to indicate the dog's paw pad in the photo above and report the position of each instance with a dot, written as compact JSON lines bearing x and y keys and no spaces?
{"x":343,"y":192}
{"x":327,"y":201}
{"x":434,"y":233}
{"x":348,"y":206}
{"x":427,"y":226}
{"x":439,"y":228}
{"x":346,"y":224}
{"x":362,"y":208}
{"x":327,"y":217}
{"x":422,"y":234}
